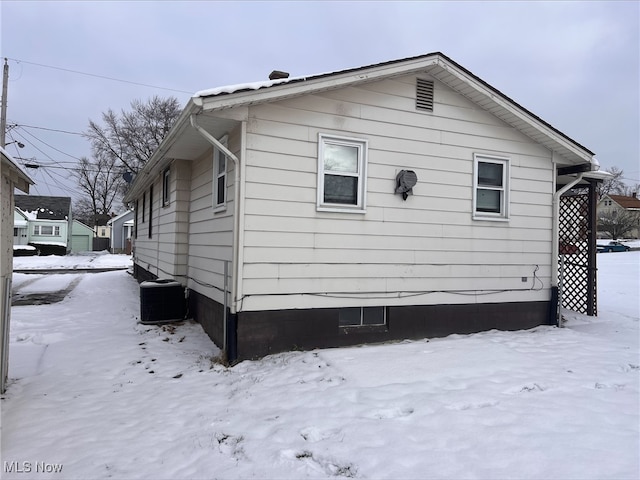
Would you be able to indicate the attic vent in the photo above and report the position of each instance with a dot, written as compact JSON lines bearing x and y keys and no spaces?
{"x":277,"y":74}
{"x":424,"y":95}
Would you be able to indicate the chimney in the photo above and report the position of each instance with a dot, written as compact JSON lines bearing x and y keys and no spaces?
{"x":278,"y":74}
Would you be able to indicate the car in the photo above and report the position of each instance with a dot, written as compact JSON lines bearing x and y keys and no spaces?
{"x":613,"y":247}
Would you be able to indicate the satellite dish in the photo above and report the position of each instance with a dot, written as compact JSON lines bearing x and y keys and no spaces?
{"x":128,"y":176}
{"x":405,"y":181}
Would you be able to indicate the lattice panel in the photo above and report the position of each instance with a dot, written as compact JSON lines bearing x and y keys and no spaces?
{"x":578,"y":276}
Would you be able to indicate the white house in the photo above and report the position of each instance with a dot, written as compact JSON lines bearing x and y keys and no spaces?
{"x":12,"y":177}
{"x":49,"y":223}
{"x":617,"y":204}
{"x":398,"y":200}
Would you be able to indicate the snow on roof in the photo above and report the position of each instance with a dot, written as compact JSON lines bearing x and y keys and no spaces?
{"x":17,"y":166}
{"x":243,"y":86}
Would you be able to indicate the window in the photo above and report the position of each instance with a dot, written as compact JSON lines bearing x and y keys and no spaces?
{"x":341,"y":174}
{"x":220,"y":178}
{"x":144,"y":205}
{"x":104,"y":232}
{"x":491,"y":188}
{"x":135,"y":221}
{"x":362,"y":316}
{"x":15,"y":232}
{"x":46,"y":230}
{"x":165,"y":187}
{"x":150,"y":209}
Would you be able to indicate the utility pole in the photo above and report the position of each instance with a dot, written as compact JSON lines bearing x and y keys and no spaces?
{"x":3,"y":113}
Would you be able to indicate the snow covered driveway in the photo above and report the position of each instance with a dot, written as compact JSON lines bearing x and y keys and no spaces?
{"x":97,"y":395}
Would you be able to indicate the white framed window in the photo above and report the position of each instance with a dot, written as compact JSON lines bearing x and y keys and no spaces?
{"x":46,"y":230}
{"x":220,"y":178}
{"x":165,"y":187}
{"x":342,"y":178}
{"x":362,"y":316}
{"x":490,"y":188}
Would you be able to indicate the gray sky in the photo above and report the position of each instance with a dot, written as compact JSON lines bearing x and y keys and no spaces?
{"x":574,"y":64}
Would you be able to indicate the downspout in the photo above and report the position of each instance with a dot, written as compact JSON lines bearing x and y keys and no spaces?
{"x":555,"y":246}
{"x":236,"y":214}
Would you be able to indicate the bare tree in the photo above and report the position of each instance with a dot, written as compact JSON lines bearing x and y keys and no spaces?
{"x":613,"y":185}
{"x":100,"y":180}
{"x":132,"y":136}
{"x":617,"y":224}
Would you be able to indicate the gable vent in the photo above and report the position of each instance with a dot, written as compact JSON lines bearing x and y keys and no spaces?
{"x":424,"y":95}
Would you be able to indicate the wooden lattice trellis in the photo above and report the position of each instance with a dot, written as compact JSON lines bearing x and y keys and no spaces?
{"x":577,"y":251}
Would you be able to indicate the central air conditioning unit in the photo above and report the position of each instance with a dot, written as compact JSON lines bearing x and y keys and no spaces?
{"x":161,"y":301}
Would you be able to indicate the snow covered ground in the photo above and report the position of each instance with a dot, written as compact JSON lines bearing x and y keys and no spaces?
{"x":94,"y":394}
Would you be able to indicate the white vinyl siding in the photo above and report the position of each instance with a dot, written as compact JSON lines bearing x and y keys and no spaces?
{"x":165,"y":253}
{"x":425,"y":250}
{"x":210,"y":233}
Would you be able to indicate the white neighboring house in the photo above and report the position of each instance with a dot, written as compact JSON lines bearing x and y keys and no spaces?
{"x":622,"y":203}
{"x":12,"y":176}
{"x":398,"y":200}
{"x":49,"y":223}
{"x":121,"y":230}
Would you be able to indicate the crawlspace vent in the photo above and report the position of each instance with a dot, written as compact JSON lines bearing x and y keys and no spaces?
{"x":424,"y":95}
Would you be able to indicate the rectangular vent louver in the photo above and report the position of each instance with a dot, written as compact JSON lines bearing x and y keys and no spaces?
{"x":424,"y":95}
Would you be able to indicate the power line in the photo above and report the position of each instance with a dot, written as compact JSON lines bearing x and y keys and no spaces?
{"x":98,"y":76}
{"x":48,"y":129}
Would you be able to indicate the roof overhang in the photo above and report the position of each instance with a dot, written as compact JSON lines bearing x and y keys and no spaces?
{"x":15,"y":172}
{"x":220,"y":109}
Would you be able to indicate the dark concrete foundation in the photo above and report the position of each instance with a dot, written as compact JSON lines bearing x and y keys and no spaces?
{"x":252,"y":335}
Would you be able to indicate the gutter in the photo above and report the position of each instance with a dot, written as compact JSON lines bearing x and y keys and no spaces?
{"x":233,"y":308}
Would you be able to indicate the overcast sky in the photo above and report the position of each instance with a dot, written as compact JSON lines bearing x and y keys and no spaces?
{"x":574,"y":64}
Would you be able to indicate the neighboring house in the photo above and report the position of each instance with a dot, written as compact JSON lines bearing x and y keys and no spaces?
{"x":20,"y":228}
{"x":617,"y":204}
{"x":81,"y":237}
{"x":121,"y":232}
{"x":400,"y":200}
{"x":49,"y":220}
{"x":12,"y":177}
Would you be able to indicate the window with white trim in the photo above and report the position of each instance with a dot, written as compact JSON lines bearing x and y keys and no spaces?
{"x":220,"y":178}
{"x":342,"y":164}
{"x":491,"y":188}
{"x":46,"y":230}
{"x":165,"y":187}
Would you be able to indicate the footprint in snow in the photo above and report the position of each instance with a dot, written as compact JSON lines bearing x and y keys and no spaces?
{"x":471,"y":405}
{"x":385,"y":413}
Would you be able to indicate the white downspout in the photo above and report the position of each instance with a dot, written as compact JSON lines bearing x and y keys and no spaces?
{"x":236,"y":210}
{"x":556,"y":228}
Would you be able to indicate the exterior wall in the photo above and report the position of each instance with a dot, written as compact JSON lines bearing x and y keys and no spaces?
{"x":211,"y":233}
{"x":48,"y":244}
{"x":164,"y":251}
{"x":81,"y":237}
{"x":265,"y":333}
{"x":118,"y":232}
{"x":21,"y":227}
{"x":426,"y":250}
